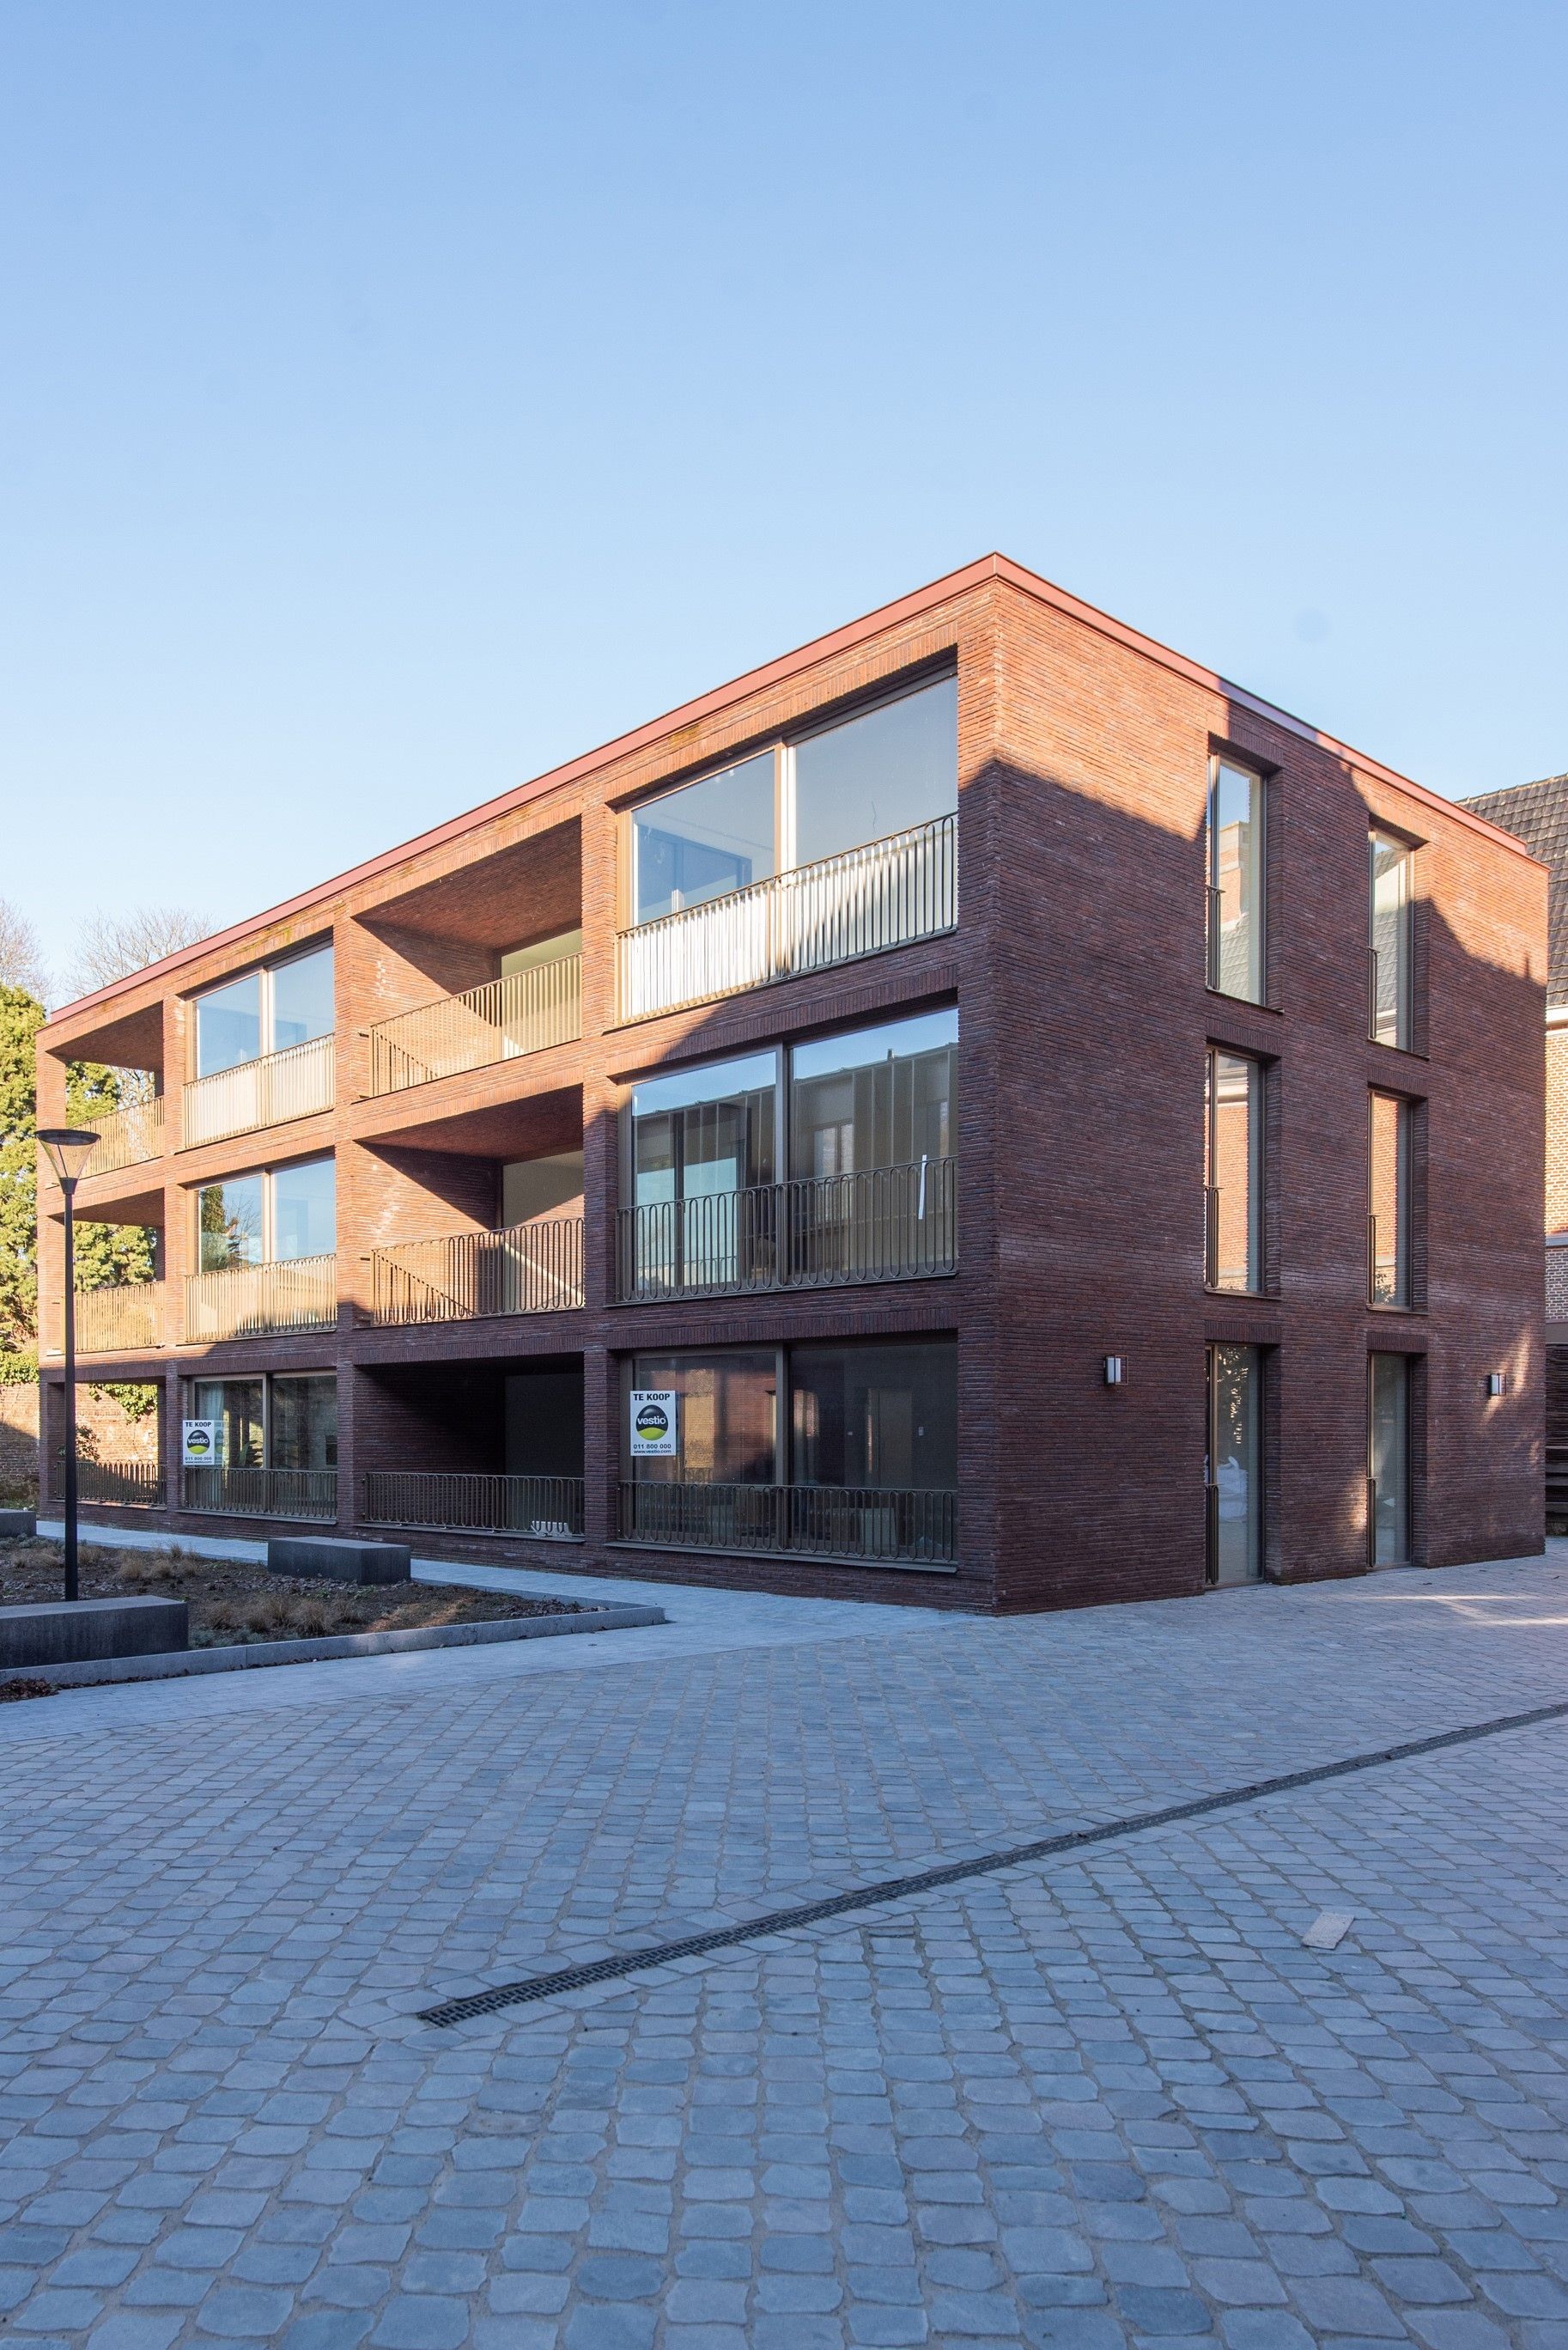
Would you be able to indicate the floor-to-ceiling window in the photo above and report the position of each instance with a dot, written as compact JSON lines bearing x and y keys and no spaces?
{"x":1234,"y":1468}
{"x":1232,"y":1171}
{"x":271,"y":1217}
{"x":1388,"y":1457}
{"x":1388,"y":1201}
{"x":1234,"y":851}
{"x":268,"y":1011}
{"x":845,"y":1449}
{"x":1390,"y":940}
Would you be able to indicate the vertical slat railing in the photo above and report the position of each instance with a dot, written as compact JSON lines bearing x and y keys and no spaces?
{"x":524,"y":1012}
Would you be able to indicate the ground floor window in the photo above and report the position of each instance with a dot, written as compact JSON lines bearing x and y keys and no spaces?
{"x":287,"y":1420}
{"x":1233,"y":1471}
{"x":1388,"y":1458}
{"x":842,"y":1448}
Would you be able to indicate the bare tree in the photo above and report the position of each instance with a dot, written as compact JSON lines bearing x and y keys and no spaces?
{"x":112,"y":946}
{"x":21,"y":957}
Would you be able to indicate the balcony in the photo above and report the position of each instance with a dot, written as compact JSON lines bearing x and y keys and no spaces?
{"x":266,"y":1092}
{"x":119,"y":1321}
{"x":530,"y":1268}
{"x":240,"y":1492}
{"x":545,"y":1509}
{"x":249,"y":1301}
{"x":807,"y":919}
{"x":120,"y":1484}
{"x":524,"y":1012}
{"x":864,"y":1526}
{"x":128,"y":1137}
{"x":883,"y":1223}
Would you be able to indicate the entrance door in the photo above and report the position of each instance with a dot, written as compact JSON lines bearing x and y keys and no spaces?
{"x":1388,"y":1458}
{"x":1233,"y":1471}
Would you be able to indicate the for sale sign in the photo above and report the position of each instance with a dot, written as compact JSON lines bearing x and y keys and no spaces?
{"x":199,"y":1448}
{"x":653,"y":1423}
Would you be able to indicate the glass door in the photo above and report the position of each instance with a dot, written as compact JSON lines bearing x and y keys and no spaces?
{"x":1233,"y":1469}
{"x":1388,"y":1458}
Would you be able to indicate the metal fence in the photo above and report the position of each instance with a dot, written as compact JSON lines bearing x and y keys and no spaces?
{"x":815,"y":1521}
{"x":524,"y":1012}
{"x":294,"y":1294}
{"x":881,"y":1223}
{"x":116,"y":1484}
{"x":545,"y":1509}
{"x":529,"y":1268}
{"x":807,"y":919}
{"x":244,"y":1492}
{"x":266,"y":1092}
{"x":119,"y":1319}
{"x":128,"y":1135}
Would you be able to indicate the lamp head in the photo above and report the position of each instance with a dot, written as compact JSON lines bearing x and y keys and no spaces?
{"x":68,"y":1149}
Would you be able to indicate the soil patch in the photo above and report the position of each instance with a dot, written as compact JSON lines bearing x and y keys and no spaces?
{"x":231,"y":1603}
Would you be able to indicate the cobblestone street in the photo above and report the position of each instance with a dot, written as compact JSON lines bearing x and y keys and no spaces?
{"x":1102,"y":2097}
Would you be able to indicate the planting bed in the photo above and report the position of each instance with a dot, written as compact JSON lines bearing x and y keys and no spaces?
{"x":232,"y":1604}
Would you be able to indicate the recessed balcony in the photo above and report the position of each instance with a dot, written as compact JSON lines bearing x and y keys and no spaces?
{"x":544,"y":1509}
{"x":128,"y":1137}
{"x":535,"y":1267}
{"x":809,"y":918}
{"x":269,"y":1091}
{"x":248,"y":1301}
{"x":526,"y":1012}
{"x":881,"y":1223}
{"x":120,"y":1320}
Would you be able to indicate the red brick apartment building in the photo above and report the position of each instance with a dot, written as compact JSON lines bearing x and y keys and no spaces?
{"x":978,"y":1111}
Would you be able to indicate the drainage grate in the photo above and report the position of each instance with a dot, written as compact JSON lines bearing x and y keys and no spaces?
{"x":531,"y":1988}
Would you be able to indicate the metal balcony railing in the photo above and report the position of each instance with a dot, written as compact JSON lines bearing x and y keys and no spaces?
{"x":245,"y":1493}
{"x":127,"y":1137}
{"x":895,"y":1527}
{"x":545,"y":1509}
{"x":881,"y":1223}
{"x":120,"y":1320}
{"x":530,"y":1268}
{"x":266,"y":1092}
{"x":524,"y":1012}
{"x":120,"y":1484}
{"x":885,"y":895}
{"x":248,"y":1300}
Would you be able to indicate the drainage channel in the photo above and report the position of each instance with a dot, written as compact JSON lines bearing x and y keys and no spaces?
{"x":531,"y":1988}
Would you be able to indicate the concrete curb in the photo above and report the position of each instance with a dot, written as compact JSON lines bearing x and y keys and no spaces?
{"x":175,"y":1663}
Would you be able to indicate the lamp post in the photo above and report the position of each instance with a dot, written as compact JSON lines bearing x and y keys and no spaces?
{"x":68,"y":1149}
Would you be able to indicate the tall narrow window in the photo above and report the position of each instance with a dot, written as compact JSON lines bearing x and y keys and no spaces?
{"x":1235,"y":881}
{"x":1390,"y":920}
{"x":1388,"y":1202}
{"x":1233,"y":1468}
{"x":1232,"y":1172}
{"x":1388,"y":1458}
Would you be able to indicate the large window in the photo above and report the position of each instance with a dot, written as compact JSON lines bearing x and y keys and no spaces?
{"x":262,"y":1218}
{"x":877,"y":1097}
{"x":267,"y":1010}
{"x":1232,"y":1171}
{"x":1388,"y":1201}
{"x":1388,"y":1458}
{"x":1390,"y":915}
{"x":726,"y":1421}
{"x":864,"y":779}
{"x":286,"y":1421}
{"x":877,"y":1417}
{"x":1234,"y":861}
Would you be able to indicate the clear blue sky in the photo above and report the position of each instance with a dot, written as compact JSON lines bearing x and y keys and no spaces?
{"x":397,"y":398}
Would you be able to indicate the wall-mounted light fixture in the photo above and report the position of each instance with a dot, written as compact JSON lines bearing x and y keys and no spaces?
{"x":1496,"y":1383}
{"x":1113,"y":1370}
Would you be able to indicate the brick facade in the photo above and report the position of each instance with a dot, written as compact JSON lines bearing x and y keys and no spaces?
{"x":1077,"y":966}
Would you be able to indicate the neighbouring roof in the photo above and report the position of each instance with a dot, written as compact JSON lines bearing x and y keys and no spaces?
{"x":1537,"y":815}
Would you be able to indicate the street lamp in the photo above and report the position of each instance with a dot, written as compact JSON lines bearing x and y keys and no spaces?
{"x":68,"y":1149}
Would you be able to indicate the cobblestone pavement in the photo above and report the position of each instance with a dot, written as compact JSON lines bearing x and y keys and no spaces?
{"x":1093,"y":2100}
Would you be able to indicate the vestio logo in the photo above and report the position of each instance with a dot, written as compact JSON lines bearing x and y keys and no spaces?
{"x":652,"y":1419}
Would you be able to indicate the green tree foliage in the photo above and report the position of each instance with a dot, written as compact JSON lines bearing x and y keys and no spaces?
{"x":21,"y":1017}
{"x":106,"y":1253}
